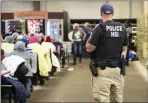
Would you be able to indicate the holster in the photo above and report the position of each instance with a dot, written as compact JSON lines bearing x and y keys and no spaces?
{"x":93,"y":68}
{"x":122,"y":66}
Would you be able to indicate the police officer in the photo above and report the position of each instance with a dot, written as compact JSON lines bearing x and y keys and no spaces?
{"x":108,"y":40}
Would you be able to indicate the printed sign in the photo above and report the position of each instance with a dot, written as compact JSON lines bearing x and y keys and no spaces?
{"x":31,"y":15}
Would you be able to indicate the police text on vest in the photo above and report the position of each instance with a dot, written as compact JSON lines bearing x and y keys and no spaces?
{"x":114,"y":30}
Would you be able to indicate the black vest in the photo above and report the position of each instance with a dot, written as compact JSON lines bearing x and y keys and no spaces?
{"x":112,"y":40}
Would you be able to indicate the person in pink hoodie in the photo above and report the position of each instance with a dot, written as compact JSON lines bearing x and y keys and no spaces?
{"x":34,"y":39}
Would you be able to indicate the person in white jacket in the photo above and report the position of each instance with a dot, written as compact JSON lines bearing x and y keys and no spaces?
{"x":77,"y":36}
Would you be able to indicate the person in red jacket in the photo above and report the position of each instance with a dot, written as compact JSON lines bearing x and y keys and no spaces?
{"x":48,"y":39}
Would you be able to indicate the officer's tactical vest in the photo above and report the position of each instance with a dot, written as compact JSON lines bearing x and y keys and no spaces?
{"x":110,"y":47}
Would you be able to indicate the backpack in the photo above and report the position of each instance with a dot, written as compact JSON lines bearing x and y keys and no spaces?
{"x":21,"y":71}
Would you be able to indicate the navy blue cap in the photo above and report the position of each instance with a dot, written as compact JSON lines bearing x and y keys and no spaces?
{"x":107,"y":8}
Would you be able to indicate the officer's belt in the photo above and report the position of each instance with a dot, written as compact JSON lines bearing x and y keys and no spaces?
{"x":108,"y":63}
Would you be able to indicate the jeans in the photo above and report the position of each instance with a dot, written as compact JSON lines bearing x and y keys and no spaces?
{"x":77,"y":49}
{"x":28,"y":85}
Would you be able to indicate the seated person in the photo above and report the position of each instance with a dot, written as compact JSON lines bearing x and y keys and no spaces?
{"x":26,"y":41}
{"x":60,"y":53}
{"x":48,"y":39}
{"x":43,"y":65}
{"x":48,"y":42}
{"x":19,"y":50}
{"x":18,"y":90}
{"x":14,"y":36}
{"x":8,"y":45}
{"x":8,"y":77}
{"x":133,"y":56}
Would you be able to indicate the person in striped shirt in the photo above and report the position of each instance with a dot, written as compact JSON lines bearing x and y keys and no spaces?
{"x":26,"y":41}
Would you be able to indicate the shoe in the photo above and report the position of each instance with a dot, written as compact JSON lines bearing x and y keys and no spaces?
{"x":42,"y":82}
{"x":127,"y":64}
{"x":62,"y":66}
{"x":74,"y":63}
{"x":35,"y":84}
{"x":80,"y":61}
{"x":47,"y":78}
{"x":32,"y":89}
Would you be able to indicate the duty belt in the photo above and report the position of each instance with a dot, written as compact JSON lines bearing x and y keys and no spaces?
{"x":108,"y":63}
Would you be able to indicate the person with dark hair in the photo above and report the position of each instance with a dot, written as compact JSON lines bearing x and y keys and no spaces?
{"x":31,"y":35}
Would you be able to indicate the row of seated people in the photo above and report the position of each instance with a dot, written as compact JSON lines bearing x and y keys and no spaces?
{"x":27,"y":60}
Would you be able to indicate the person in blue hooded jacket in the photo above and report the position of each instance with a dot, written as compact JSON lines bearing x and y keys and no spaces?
{"x":26,"y":41}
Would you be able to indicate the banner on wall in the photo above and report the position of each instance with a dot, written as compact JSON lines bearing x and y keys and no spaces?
{"x":12,"y":26}
{"x":31,"y":15}
{"x":35,"y":26}
{"x":53,"y":28}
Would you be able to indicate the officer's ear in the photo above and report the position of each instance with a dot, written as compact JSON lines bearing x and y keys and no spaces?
{"x":101,"y":14}
{"x":112,"y":14}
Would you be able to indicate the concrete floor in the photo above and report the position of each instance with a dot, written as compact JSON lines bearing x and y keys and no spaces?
{"x":144,"y":62}
{"x":75,"y":86}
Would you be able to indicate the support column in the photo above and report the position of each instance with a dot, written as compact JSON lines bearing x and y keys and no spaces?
{"x":43,"y":5}
{"x":130,"y":9}
{"x":36,"y":5}
{"x":145,"y":11}
{"x":145,"y":7}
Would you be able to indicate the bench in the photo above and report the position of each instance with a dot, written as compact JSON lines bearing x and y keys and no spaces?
{"x":10,"y":92}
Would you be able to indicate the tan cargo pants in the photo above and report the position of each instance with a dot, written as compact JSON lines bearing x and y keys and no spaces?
{"x":108,"y":86}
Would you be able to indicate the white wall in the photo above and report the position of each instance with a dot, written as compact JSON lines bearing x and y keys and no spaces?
{"x":121,"y":9}
{"x":14,"y":6}
{"x":137,"y":9}
{"x":145,"y":7}
{"x":91,"y":9}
